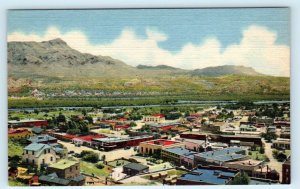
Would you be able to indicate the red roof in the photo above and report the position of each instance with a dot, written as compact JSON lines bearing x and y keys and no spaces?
{"x":69,"y":136}
{"x":167,"y":127}
{"x":122,"y":119}
{"x":160,"y":115}
{"x":90,"y":137}
{"x":162,"y":142}
{"x":122,"y":126}
{"x":14,"y":131}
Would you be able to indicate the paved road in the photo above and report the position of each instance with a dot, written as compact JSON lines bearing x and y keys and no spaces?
{"x":111,"y":155}
{"x":274,"y":164}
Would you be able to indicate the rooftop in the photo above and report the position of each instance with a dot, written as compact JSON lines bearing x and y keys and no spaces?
{"x":247,"y":163}
{"x":136,"y":166}
{"x":226,"y":154}
{"x":210,"y":176}
{"x":41,"y":138}
{"x":24,"y":121}
{"x":63,"y":164}
{"x":116,"y":139}
{"x":36,"y":147}
{"x":181,"y":152}
{"x":162,"y":142}
{"x":89,"y":137}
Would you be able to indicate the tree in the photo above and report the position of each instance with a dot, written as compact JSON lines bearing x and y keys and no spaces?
{"x":242,"y":179}
{"x":261,"y":150}
{"x":61,"y":118}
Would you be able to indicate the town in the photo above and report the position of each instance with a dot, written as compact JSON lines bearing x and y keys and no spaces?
{"x":218,"y":144}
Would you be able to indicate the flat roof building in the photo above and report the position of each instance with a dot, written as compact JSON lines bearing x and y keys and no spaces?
{"x":219,"y":157}
{"x":208,"y":175}
{"x":152,"y":146}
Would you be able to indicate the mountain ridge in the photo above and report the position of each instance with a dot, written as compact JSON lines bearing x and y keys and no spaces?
{"x":56,"y":58}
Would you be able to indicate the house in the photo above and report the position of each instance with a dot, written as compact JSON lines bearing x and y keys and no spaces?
{"x":39,"y":154}
{"x":286,"y":171}
{"x":63,"y":173}
{"x":154,"y":146}
{"x":163,"y":126}
{"x":43,"y":139}
{"x":179,"y":156}
{"x":135,"y":168}
{"x":221,"y":156}
{"x":19,"y":133}
{"x":208,"y":175}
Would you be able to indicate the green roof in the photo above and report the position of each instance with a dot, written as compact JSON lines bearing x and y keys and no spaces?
{"x":63,"y":164}
{"x":136,"y":166}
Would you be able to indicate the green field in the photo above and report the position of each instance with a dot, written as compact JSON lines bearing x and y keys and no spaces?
{"x":90,"y":168}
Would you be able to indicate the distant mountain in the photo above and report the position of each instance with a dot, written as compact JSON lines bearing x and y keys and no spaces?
{"x":225,"y":70}
{"x":158,"y":67}
{"x":56,"y":58}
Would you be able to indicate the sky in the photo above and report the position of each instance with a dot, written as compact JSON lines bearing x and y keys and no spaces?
{"x":183,"y":38}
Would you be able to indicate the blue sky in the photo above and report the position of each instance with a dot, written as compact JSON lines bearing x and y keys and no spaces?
{"x":178,"y":28}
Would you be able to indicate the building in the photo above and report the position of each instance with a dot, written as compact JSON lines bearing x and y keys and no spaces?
{"x":179,"y":156}
{"x":245,"y":140}
{"x":248,"y":128}
{"x":221,"y":156}
{"x":271,"y":129}
{"x":19,"y":133}
{"x":44,"y":139}
{"x":155,"y":118}
{"x":285,"y":132}
{"x":214,"y":127}
{"x":163,"y":126}
{"x":39,"y":154}
{"x":249,"y":166}
{"x":286,"y":171}
{"x":37,"y":130}
{"x":282,"y":144}
{"x":194,"y":135}
{"x":135,"y":168}
{"x":195,"y":145}
{"x":208,"y":175}
{"x":86,"y":140}
{"x":265,"y":120}
{"x":63,"y":173}
{"x":27,"y":123}
{"x":111,"y":143}
{"x":266,"y":172}
{"x":153,"y":146}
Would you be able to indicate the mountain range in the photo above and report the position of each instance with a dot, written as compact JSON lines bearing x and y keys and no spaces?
{"x":55,"y":58}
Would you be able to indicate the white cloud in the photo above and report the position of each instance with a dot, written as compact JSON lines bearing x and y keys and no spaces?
{"x":256,"y":49}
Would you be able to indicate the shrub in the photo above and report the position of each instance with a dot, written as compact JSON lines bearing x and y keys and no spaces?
{"x":93,"y":158}
{"x":99,"y":165}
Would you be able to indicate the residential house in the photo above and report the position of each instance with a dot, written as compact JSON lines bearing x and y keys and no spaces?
{"x":39,"y":154}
